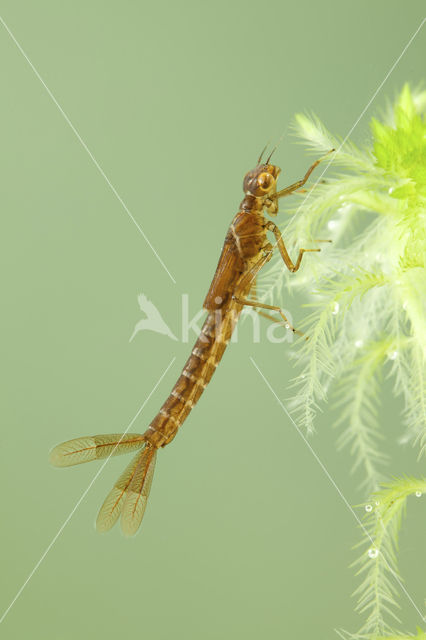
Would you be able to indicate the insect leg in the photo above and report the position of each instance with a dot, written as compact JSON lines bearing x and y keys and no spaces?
{"x":253,"y":289}
{"x":261,"y":305}
{"x":296,"y":185}
{"x":291,"y":266}
{"x":276,"y":320}
{"x":309,"y":189}
{"x":269,"y":317}
{"x":253,"y":296}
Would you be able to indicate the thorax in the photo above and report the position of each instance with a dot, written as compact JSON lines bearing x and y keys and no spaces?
{"x":248,"y":227}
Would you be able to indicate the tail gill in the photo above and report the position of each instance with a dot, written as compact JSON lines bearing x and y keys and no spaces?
{"x":129,"y":495}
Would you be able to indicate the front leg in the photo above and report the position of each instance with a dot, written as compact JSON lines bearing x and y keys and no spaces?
{"x":297,"y":185}
{"x":291,"y":266}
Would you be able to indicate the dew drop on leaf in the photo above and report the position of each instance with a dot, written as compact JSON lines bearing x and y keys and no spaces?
{"x":418,"y":494}
{"x":359,"y":343}
{"x":368,"y":508}
{"x":332,"y":224}
{"x":373,"y":553}
{"x":393,"y":355}
{"x":335,"y":308}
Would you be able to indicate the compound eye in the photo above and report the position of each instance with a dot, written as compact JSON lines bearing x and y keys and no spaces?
{"x":265,"y":181}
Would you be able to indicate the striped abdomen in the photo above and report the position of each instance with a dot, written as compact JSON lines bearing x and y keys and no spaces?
{"x":196,"y":374}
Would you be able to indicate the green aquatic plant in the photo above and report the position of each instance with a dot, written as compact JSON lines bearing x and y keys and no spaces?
{"x":366,"y":321}
{"x":368,"y":308}
{"x":377,"y":564}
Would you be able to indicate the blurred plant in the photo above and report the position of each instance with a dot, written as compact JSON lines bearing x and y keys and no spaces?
{"x":367,"y":316}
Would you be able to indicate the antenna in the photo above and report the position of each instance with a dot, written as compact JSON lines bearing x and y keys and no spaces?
{"x":263,"y":151}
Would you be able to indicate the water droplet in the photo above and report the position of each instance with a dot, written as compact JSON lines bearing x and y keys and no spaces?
{"x":405,"y":305}
{"x":418,"y":494}
{"x":373,"y":553}
{"x":332,"y":224}
{"x":359,"y":343}
{"x":377,"y":503}
{"x":391,"y":190}
{"x":287,"y":326}
{"x":393,"y":355}
{"x":368,"y":508}
{"x":335,"y":308}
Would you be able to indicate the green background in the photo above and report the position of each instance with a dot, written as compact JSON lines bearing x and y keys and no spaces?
{"x":244,"y":537}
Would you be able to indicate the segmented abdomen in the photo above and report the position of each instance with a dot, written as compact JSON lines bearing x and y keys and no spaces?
{"x":196,"y":374}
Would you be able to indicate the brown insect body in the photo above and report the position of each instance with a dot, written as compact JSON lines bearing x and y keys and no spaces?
{"x":244,"y":242}
{"x":245,"y":251}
